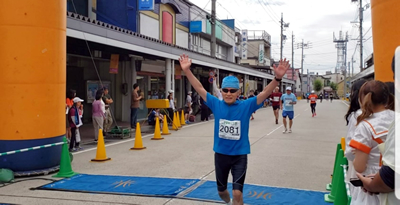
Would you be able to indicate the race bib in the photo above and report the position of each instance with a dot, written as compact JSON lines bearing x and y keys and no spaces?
{"x":288,"y":101}
{"x":229,"y":130}
{"x":313,"y":98}
{"x":276,"y":99}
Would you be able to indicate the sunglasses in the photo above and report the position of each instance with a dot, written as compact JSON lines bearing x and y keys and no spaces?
{"x":226,"y":90}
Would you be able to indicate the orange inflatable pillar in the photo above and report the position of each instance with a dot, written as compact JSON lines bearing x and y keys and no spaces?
{"x":385,"y":31}
{"x":33,"y":77}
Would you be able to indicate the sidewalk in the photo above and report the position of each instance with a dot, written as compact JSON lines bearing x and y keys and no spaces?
{"x":87,"y":131}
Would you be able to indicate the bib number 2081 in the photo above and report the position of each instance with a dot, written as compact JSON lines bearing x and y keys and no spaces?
{"x":229,"y":130}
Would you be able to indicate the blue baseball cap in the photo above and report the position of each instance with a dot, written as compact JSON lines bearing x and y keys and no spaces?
{"x":230,"y":82}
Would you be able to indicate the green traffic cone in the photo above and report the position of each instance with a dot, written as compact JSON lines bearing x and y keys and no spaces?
{"x":335,"y":182}
{"x":341,"y":193}
{"x":329,"y":186}
{"x":65,"y":163}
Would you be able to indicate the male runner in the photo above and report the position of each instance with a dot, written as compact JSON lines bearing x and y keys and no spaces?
{"x":288,"y":100}
{"x":231,"y":131}
{"x":313,"y":97}
{"x":276,"y":103}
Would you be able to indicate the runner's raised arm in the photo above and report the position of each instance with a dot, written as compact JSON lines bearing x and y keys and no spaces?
{"x":279,"y":73}
{"x":185,"y":65}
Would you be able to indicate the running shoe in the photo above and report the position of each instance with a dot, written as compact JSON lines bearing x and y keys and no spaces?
{"x":290,"y":131}
{"x":284,"y":131}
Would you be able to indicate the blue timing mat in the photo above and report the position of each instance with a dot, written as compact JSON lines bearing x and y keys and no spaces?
{"x":254,"y":194}
{"x":128,"y":185}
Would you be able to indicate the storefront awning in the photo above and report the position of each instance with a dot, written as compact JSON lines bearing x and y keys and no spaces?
{"x":85,"y":29}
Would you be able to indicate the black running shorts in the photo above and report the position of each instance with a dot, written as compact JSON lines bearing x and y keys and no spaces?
{"x":276,"y":107}
{"x":237,"y":164}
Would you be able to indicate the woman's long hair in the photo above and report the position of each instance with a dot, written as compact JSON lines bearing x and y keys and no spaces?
{"x":371,"y":94}
{"x":354,"y":104}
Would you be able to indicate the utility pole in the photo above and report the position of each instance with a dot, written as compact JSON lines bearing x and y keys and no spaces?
{"x":292,"y":56}
{"x":293,"y":62}
{"x":302,"y":55}
{"x":213,"y":38}
{"x":283,"y":37}
{"x":303,"y":46}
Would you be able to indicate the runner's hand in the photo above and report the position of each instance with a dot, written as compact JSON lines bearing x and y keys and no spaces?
{"x":185,"y":62}
{"x":281,"y":69}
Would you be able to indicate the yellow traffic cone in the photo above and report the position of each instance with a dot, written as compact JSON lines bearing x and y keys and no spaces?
{"x":165,"y":130}
{"x":174,"y":123}
{"x":178,"y":120}
{"x":157,"y":132}
{"x":183,"y":118}
{"x":138,"y":139}
{"x":101,"y":155}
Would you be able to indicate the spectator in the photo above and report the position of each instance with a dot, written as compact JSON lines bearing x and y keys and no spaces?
{"x":74,"y":122}
{"x":107,"y":100}
{"x":135,"y":105}
{"x":69,"y":103}
{"x":188,"y":107}
{"x":154,"y":114}
{"x":171,"y":108}
{"x":97,"y":115}
{"x":372,"y":128}
{"x":204,"y":111}
{"x":351,"y":121}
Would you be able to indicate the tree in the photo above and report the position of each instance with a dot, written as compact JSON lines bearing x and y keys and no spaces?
{"x":317,"y":85}
{"x":333,"y":86}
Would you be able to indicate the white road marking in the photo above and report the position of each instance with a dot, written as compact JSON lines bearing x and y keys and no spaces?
{"x":133,"y":139}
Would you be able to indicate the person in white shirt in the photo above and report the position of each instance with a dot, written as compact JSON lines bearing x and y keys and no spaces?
{"x":171,"y":108}
{"x":372,"y":130}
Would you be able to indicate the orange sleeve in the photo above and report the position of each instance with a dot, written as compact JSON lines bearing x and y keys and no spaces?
{"x":360,"y":146}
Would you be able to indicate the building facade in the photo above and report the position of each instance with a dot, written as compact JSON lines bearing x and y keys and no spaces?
{"x":118,"y":43}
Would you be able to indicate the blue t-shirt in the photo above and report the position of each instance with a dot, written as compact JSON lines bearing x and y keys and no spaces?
{"x":231,"y":131}
{"x":286,"y":99}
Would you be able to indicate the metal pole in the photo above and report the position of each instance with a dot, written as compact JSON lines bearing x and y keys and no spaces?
{"x":213,"y":39}
{"x":302,"y":55}
{"x":293,"y":61}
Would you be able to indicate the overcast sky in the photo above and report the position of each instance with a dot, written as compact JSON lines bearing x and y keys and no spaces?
{"x":311,"y":20}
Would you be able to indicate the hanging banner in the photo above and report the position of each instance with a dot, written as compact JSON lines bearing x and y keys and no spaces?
{"x":244,"y":44}
{"x":261,"y":54}
{"x":114,"y":61}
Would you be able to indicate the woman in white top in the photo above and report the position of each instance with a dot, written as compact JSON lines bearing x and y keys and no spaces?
{"x":171,"y":108}
{"x":351,"y":118}
{"x":372,"y":129}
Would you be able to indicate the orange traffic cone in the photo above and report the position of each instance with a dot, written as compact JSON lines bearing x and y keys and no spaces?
{"x":178,"y":120}
{"x":101,"y":155}
{"x":174,"y":123}
{"x":138,"y":139}
{"x":183,"y":118}
{"x":165,"y":130}
{"x":157,"y":132}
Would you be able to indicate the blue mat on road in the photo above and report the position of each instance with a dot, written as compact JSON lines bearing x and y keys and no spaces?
{"x":255,"y":194}
{"x":128,"y":185}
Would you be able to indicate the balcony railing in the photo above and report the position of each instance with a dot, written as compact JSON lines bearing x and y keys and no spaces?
{"x":259,"y":35}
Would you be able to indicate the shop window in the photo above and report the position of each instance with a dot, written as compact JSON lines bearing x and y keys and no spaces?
{"x":167,"y":27}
